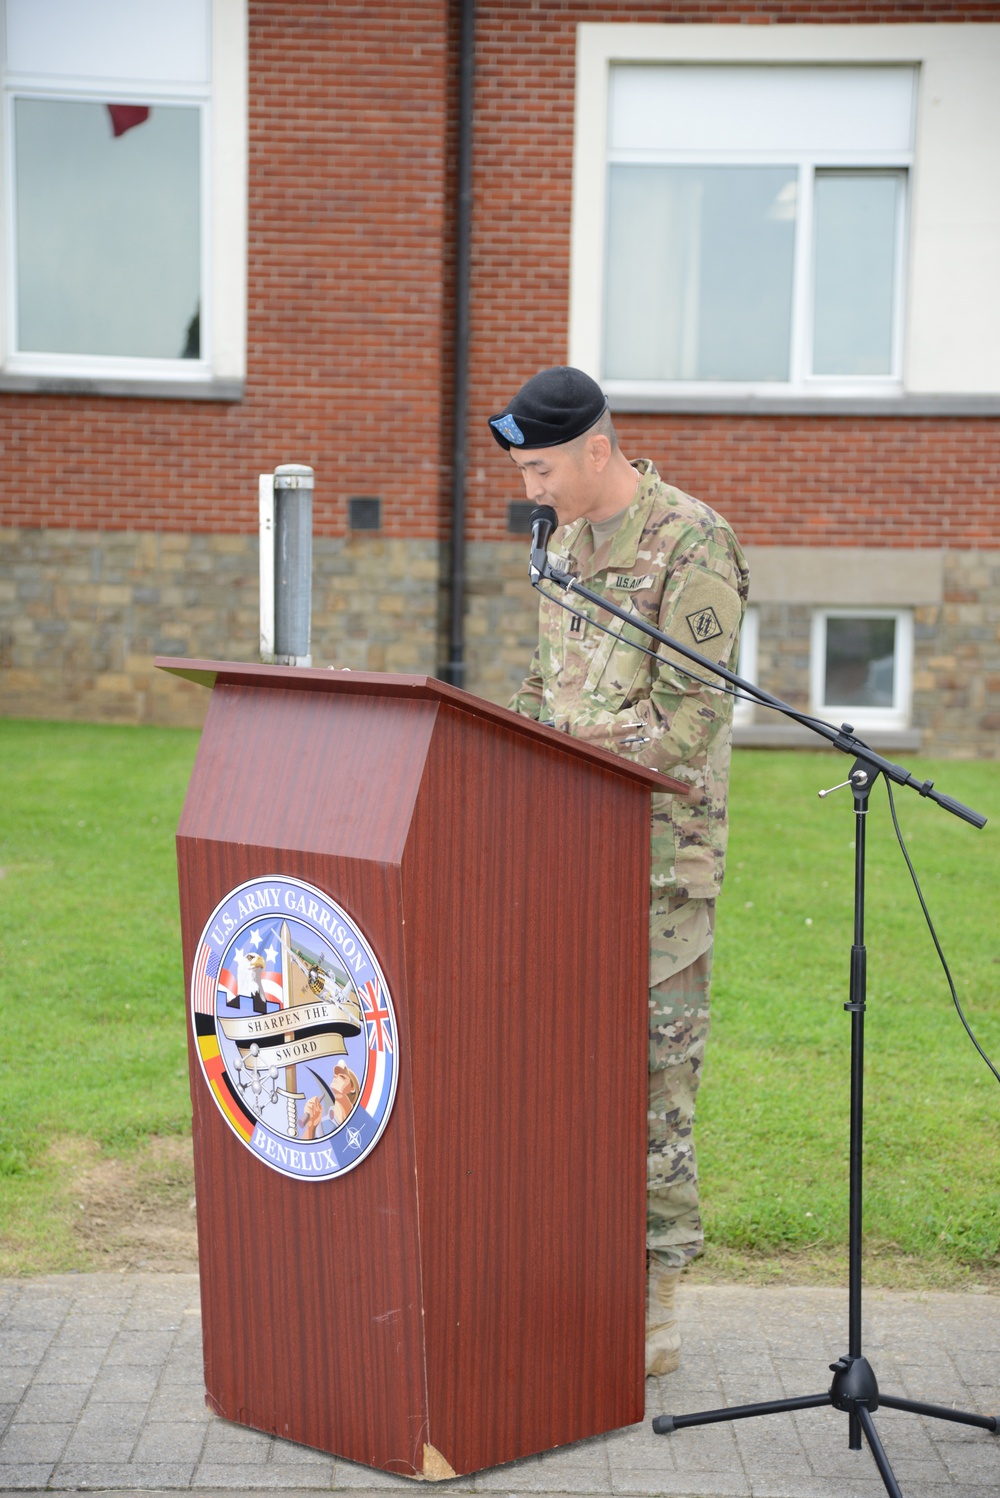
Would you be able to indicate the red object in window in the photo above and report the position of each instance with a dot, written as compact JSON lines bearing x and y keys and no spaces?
{"x":125,"y":116}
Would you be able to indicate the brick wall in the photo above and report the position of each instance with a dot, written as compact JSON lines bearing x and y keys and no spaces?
{"x":804,"y":481}
{"x":352,"y":149}
{"x":351,"y":155}
{"x":347,"y":262}
{"x":800,"y":480}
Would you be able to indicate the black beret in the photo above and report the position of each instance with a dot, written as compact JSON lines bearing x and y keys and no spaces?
{"x":553,"y":407}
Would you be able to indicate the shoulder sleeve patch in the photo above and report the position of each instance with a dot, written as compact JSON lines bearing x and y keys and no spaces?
{"x":705,"y":614}
{"x":704,"y":625}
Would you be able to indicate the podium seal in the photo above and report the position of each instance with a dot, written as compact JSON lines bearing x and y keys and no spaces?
{"x":295,"y":1028}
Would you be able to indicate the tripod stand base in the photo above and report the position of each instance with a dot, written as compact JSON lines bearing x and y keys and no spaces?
{"x":855,"y":1391}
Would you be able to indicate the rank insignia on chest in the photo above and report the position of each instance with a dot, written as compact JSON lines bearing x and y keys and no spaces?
{"x":704,"y":625}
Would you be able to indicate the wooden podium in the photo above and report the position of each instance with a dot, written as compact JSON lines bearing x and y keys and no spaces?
{"x":473,"y":1291}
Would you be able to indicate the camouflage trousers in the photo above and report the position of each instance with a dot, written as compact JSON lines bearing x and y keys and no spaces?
{"x":678,"y":1030}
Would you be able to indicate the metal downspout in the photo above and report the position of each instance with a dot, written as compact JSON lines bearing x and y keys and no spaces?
{"x":454,"y":671}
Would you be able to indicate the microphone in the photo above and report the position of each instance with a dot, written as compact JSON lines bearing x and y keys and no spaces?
{"x":543,"y":522}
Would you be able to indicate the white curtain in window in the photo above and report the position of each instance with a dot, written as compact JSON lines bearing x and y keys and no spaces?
{"x":699,"y":272}
{"x":857,"y":222}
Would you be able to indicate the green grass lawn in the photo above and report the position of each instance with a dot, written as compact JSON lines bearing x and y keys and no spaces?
{"x":91,"y":985}
{"x":92,"y":998}
{"x":774,"y":1121}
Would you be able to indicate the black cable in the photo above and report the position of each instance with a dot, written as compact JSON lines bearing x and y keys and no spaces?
{"x":934,"y":937}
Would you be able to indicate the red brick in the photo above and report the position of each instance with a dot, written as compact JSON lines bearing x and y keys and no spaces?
{"x":352,"y":157}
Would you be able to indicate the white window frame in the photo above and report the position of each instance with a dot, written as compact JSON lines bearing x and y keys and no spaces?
{"x":896,"y":716}
{"x":807,"y":164}
{"x":803,"y":294}
{"x":951,"y":314}
{"x":744,"y":711}
{"x":222,"y":102}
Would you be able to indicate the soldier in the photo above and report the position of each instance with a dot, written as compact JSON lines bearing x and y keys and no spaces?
{"x":668,"y":558}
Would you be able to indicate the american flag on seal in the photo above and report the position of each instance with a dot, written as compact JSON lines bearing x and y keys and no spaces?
{"x":270,"y":983}
{"x":209,"y":977}
{"x":269,"y":979}
{"x":206,"y":969}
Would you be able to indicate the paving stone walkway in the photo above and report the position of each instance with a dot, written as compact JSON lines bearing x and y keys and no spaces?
{"x":101,"y":1389}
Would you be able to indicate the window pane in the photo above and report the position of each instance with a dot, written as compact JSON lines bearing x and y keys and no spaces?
{"x":860,"y":662}
{"x":108,"y":228}
{"x":102,"y":39}
{"x":693,"y":107}
{"x":699,"y":272}
{"x":855,"y":272}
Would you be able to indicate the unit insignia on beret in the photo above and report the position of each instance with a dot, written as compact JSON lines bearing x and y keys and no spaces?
{"x":508,"y":427}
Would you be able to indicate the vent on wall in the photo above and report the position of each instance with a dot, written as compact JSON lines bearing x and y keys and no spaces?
{"x":364,"y":513}
{"x":519,"y":517}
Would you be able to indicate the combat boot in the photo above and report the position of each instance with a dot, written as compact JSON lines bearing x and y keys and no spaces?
{"x":663,"y":1338}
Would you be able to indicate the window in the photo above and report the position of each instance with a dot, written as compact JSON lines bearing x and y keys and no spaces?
{"x":117,"y":234}
{"x":743,"y":709}
{"x":755,"y":225}
{"x":108,"y":244}
{"x":780,"y":218}
{"x":861,"y":664}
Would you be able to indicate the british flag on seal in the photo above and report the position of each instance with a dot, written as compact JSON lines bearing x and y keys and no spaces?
{"x":378,"y":1028}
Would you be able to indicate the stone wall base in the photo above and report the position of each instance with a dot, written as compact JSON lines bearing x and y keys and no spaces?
{"x":956,"y":660}
{"x":83,"y":614}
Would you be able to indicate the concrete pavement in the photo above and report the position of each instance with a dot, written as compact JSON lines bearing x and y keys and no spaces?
{"x":101,"y":1389}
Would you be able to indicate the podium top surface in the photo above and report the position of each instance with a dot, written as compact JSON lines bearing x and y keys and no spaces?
{"x":345,"y":682}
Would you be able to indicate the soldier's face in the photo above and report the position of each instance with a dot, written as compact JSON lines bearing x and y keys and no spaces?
{"x":560,"y":477}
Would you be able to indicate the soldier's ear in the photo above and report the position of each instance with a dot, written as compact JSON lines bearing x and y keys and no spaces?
{"x":599,"y":451}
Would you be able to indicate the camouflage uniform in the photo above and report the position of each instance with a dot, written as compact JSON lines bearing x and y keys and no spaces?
{"x":677,"y":564}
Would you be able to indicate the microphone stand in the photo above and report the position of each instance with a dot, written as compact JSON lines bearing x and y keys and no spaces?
{"x":854,"y":1388}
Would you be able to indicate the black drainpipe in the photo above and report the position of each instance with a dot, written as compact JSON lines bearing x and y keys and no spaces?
{"x":454,"y":671}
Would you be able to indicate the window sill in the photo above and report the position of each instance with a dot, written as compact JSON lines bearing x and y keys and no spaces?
{"x":809,"y":405}
{"x":793,"y":736}
{"x":151,"y":389}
